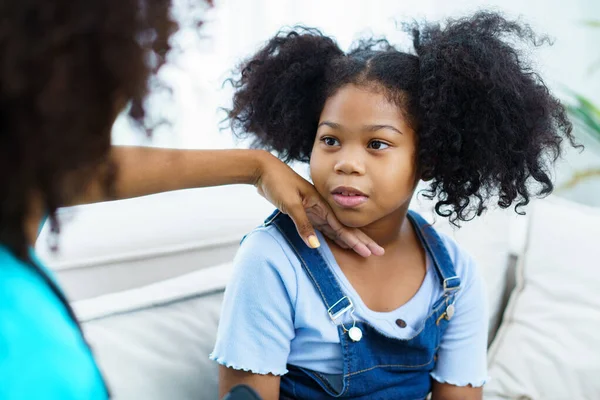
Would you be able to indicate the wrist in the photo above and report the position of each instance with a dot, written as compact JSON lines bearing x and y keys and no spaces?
{"x":260,"y":162}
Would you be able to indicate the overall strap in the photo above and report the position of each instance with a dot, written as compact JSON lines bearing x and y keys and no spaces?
{"x":435,"y":247}
{"x":315,"y":266}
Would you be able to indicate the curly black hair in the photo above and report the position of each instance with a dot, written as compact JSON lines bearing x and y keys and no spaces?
{"x":487,"y":125}
{"x":67,"y":68}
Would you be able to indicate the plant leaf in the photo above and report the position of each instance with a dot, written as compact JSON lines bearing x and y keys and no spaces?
{"x":585,"y":115}
{"x":592,"y":23}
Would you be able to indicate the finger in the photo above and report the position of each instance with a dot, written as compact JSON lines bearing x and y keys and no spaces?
{"x":303,"y":226}
{"x":344,"y":236}
{"x":361,"y":250}
{"x":350,"y":237}
{"x":342,"y":244}
{"x":375,"y":249}
{"x":360,"y":242}
{"x":351,"y":241}
{"x":355,"y":238}
{"x":327,"y":231}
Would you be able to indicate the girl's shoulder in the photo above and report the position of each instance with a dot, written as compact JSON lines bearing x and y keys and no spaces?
{"x":265,"y":253}
{"x":464,"y":264}
{"x":267,"y":243}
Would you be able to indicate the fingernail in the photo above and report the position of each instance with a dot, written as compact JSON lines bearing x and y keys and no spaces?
{"x":313,"y":241}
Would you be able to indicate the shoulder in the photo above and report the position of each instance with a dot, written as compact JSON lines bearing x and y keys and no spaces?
{"x":264,"y":257}
{"x":266,"y":244}
{"x":472,"y":297}
{"x":18,"y":280}
{"x":26,"y":296}
{"x":10,"y":265}
{"x":465,"y":266}
{"x":463,"y":263}
{"x":36,"y":325}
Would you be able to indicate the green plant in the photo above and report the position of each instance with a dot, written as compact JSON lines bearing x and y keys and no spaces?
{"x":585,"y":116}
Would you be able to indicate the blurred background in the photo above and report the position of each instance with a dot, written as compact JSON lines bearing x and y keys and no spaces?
{"x":234,"y":29}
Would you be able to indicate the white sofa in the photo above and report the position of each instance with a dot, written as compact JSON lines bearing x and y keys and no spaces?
{"x":147,"y":277}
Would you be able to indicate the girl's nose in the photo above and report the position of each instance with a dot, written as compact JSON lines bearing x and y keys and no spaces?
{"x":350,"y":163}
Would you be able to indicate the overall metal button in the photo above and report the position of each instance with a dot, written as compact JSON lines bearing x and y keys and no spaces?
{"x":450,"y":312}
{"x":355,"y":334}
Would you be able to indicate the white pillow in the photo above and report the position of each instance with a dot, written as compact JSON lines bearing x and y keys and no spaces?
{"x":153,"y":342}
{"x":548,"y":346}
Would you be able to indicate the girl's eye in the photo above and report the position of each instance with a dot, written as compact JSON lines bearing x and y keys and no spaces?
{"x":378,"y":145}
{"x":329,"y":141}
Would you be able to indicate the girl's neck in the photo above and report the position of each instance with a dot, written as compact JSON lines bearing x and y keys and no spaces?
{"x":391,"y":230}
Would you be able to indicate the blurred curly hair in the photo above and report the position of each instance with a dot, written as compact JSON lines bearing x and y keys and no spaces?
{"x":68,"y":68}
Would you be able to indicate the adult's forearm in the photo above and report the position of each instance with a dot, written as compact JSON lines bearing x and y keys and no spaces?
{"x":144,"y":170}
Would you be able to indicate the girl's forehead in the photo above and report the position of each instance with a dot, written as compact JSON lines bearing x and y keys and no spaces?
{"x":357,"y":104}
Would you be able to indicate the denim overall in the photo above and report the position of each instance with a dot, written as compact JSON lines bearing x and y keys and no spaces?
{"x":375,"y":366}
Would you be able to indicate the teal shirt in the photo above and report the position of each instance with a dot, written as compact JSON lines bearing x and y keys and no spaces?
{"x":42,"y":352}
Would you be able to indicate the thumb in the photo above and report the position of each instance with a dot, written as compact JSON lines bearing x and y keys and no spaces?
{"x":304,"y":227}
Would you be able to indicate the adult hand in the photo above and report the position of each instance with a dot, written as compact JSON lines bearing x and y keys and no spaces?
{"x":298,"y":198}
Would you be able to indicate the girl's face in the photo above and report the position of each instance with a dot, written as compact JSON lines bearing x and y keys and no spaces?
{"x":363,"y":160}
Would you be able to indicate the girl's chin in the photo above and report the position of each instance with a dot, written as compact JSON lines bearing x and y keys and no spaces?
{"x":352,"y":218}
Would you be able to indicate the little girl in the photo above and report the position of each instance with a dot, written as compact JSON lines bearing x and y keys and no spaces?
{"x":463,"y":112}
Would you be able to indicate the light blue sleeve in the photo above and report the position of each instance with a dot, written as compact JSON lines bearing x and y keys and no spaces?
{"x":462,"y":356}
{"x":257,"y":318}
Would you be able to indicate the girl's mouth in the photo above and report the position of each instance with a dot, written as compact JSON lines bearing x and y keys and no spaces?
{"x":348,"y":197}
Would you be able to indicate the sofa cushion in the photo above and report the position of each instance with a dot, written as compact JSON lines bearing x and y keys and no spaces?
{"x":114,"y":246}
{"x":548,"y":344}
{"x":154,"y":342}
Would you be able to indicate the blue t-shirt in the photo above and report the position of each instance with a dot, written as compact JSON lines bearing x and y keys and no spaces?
{"x":273,"y":316}
{"x":42,"y":352}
